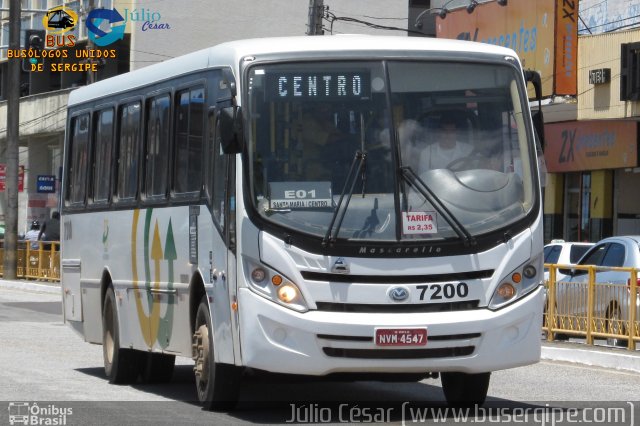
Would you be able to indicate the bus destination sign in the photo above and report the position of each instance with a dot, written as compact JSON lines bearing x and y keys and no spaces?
{"x":287,"y":86}
{"x":300,"y":195}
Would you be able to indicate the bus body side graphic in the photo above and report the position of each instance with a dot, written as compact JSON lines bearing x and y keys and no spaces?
{"x":153,"y":326}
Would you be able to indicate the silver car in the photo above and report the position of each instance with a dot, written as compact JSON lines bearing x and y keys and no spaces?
{"x":563,"y":252}
{"x":611,"y":303}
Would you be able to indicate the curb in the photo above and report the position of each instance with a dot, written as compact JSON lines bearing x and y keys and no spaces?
{"x":605,"y":357}
{"x":49,"y":288}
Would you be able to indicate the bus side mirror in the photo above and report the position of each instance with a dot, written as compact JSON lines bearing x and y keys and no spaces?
{"x":230,"y":129}
{"x":533,"y":77}
{"x":538,"y":125}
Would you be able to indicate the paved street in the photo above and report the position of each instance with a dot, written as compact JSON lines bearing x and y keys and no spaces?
{"x":43,"y":360}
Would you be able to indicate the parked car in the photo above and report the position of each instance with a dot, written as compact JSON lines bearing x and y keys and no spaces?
{"x":611,"y":306}
{"x":561,"y":252}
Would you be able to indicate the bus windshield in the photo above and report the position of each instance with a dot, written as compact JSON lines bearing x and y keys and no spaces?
{"x":389,"y":150}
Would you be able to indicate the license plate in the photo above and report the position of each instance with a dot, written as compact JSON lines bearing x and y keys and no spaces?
{"x":401,"y":336}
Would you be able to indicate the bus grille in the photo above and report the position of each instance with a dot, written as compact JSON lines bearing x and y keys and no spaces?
{"x":443,"y":337}
{"x":397,"y":308}
{"x":397,"y":279}
{"x":399,"y":353}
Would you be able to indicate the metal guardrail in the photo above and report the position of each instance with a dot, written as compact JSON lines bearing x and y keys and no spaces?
{"x":593,"y":309}
{"x":38,"y":260}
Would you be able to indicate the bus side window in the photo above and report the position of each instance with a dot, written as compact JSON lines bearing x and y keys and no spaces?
{"x":157,"y":146}
{"x":78,"y":159}
{"x":189,"y":135}
{"x":129,"y":151}
{"x":102,"y":155}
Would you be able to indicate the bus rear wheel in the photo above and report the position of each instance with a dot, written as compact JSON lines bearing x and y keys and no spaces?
{"x":462,"y":389}
{"x":120,"y":365}
{"x":217,"y":384}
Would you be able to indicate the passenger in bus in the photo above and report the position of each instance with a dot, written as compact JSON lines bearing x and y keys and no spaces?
{"x":320,"y":142}
{"x":447,"y":148}
{"x":412,"y":138}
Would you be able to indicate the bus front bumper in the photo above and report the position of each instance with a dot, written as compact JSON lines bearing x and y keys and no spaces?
{"x":280,"y":340}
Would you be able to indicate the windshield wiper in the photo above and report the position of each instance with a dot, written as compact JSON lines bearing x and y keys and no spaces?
{"x":415,"y":181}
{"x":357,"y":165}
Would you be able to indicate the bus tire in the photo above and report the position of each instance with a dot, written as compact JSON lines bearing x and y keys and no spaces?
{"x":158,"y":368}
{"x":463,"y":389}
{"x":120,"y":365}
{"x":217,"y":384}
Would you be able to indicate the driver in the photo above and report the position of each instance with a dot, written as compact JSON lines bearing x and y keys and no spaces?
{"x":447,"y":149}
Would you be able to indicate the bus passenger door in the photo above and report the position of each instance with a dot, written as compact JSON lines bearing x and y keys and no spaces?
{"x":222,"y":261}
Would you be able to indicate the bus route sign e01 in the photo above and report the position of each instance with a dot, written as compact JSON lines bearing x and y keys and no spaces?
{"x":46,"y":184}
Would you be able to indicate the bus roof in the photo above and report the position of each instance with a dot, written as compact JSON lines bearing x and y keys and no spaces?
{"x":230,"y":54}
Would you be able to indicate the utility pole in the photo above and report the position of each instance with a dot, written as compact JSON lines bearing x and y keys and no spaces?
{"x":91,"y":76}
{"x":316,"y":12}
{"x":13,"y":133}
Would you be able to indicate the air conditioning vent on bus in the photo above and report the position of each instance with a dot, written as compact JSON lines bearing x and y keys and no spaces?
{"x":397,"y":279}
{"x":466,"y":305}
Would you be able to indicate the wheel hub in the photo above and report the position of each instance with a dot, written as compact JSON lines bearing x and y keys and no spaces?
{"x":200,"y":350}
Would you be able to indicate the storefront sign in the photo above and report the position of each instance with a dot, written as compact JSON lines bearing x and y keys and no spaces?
{"x":3,"y":177}
{"x":566,"y":52}
{"x":525,"y":26}
{"x":600,"y":76}
{"x":591,"y":145}
{"x":46,"y":184}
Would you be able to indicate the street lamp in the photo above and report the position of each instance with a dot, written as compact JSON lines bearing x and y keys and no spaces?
{"x":442,"y":11}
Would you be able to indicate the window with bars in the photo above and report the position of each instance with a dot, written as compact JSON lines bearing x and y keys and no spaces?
{"x":630,"y":72}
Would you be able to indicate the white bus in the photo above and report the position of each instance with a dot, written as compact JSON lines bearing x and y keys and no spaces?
{"x":294,"y":205}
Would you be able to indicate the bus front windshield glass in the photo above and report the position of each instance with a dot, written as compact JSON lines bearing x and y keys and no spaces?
{"x":407,"y":150}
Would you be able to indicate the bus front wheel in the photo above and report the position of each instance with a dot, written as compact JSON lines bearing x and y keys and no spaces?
{"x":218,"y":384}
{"x":462,"y":389}
{"x":120,"y":365}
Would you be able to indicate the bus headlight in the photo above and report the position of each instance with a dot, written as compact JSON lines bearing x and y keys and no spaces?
{"x":274,"y":286}
{"x":517,"y":284}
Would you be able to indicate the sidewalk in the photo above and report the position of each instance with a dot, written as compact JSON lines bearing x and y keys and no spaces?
{"x":574,"y":352}
{"x":598,"y":356}
{"x":35,"y":286}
